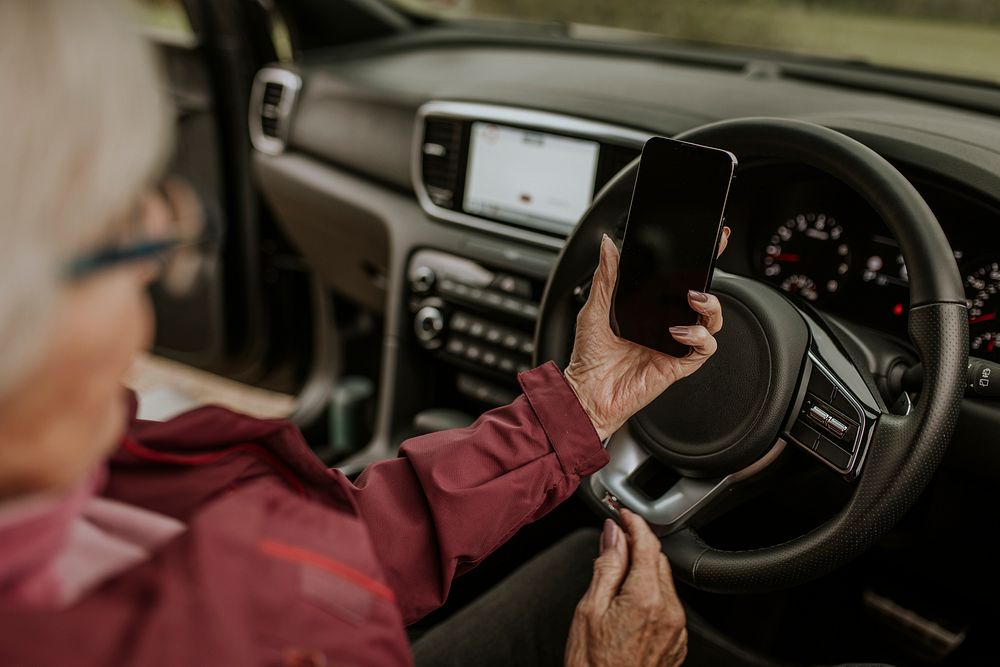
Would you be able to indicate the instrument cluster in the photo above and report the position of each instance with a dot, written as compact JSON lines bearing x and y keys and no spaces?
{"x":815,"y":239}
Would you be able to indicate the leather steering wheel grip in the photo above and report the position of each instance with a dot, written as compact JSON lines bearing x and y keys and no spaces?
{"x":902,"y":458}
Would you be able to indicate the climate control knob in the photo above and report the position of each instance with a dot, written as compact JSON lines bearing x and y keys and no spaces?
{"x":423,"y":279}
{"x":428,"y":325}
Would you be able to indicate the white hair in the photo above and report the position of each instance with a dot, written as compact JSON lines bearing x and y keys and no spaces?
{"x":84,"y":126}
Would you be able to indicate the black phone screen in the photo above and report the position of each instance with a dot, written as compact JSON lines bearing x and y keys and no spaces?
{"x":671,"y":238}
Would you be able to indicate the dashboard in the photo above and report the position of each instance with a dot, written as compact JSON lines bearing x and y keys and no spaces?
{"x":532,"y":175}
{"x":372,"y":157}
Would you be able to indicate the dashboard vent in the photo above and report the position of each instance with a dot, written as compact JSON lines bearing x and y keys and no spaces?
{"x":439,"y":155}
{"x":271,"y":102}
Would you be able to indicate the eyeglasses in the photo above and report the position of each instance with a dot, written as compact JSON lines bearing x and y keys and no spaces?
{"x":171,"y":227}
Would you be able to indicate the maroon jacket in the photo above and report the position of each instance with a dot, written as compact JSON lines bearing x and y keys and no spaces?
{"x":286,"y":562}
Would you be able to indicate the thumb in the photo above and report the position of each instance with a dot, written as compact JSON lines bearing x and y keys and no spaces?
{"x":609,"y":568}
{"x":605,"y":278}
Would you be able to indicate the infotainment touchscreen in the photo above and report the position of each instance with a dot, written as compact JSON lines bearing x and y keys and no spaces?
{"x":531,"y":178}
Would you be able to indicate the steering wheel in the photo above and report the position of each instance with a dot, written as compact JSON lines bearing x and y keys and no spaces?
{"x":781,"y":378}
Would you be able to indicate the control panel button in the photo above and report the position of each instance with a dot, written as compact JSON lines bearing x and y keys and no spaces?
{"x":820,"y":385}
{"x":493,"y":334}
{"x":428,"y":324}
{"x":423,"y":279}
{"x":506,"y":364}
{"x":840,"y":402}
{"x":511,"y":341}
{"x":837,"y":427}
{"x":477,"y":329}
{"x":832,"y":453}
{"x":804,"y":434}
{"x":460,"y":322}
{"x":456,"y":346}
{"x":513,"y":285}
{"x":818,"y":416}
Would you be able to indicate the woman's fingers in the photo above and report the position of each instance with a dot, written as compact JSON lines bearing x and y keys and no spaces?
{"x":644,"y":575}
{"x":698,"y":337}
{"x":724,"y":241}
{"x":709,"y":308}
{"x":609,"y":569}
{"x":603,"y":285}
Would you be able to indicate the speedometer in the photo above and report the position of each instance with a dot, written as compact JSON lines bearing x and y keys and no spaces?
{"x":982,"y":297}
{"x":808,"y":256}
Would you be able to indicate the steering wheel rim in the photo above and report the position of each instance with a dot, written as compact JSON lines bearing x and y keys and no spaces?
{"x":902,"y":451}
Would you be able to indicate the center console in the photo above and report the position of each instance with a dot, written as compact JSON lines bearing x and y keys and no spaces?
{"x":477,"y":320}
{"x":514,"y":182}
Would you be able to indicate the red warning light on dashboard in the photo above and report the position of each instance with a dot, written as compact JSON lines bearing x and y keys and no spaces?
{"x":897,"y":310}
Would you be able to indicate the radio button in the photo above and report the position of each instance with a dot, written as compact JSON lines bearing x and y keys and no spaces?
{"x":428,"y":325}
{"x":460,"y":322}
{"x":423,"y":279}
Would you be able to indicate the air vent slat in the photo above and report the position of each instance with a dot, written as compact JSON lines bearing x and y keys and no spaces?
{"x":271,"y":104}
{"x":439,"y":160}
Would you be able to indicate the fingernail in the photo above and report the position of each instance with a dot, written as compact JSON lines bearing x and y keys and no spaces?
{"x":609,"y":536}
{"x":700,"y":297}
{"x":680,"y":331}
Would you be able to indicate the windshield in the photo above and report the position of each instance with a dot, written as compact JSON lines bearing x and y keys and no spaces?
{"x":954,"y":37}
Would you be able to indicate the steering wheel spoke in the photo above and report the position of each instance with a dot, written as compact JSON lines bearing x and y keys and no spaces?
{"x":668,"y":500}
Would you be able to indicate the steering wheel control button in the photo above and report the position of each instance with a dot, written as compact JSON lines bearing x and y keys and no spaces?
{"x":818,"y":415}
{"x":841,"y":403}
{"x":820,"y":385}
{"x":804,"y":434}
{"x":837,"y":427}
{"x":832,"y":453}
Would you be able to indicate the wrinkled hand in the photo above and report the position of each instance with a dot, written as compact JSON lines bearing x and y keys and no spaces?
{"x":614,"y":378}
{"x":630,"y":615}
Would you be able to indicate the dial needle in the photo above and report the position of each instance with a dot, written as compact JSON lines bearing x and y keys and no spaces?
{"x":983,"y":318}
{"x":785,"y":257}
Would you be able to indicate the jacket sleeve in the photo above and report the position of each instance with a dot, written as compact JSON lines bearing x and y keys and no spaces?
{"x":453,"y":497}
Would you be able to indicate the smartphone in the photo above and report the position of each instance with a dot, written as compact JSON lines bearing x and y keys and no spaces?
{"x":671,"y":240}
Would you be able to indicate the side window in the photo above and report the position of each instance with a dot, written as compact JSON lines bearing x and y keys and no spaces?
{"x":168,"y":16}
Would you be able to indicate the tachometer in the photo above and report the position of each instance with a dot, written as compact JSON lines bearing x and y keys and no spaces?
{"x":807,"y":255}
{"x":982,"y":296}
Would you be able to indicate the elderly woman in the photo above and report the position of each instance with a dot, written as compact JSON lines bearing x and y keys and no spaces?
{"x":219,"y":539}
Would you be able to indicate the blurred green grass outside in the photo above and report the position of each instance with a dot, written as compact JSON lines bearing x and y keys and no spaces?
{"x":942,"y":45}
